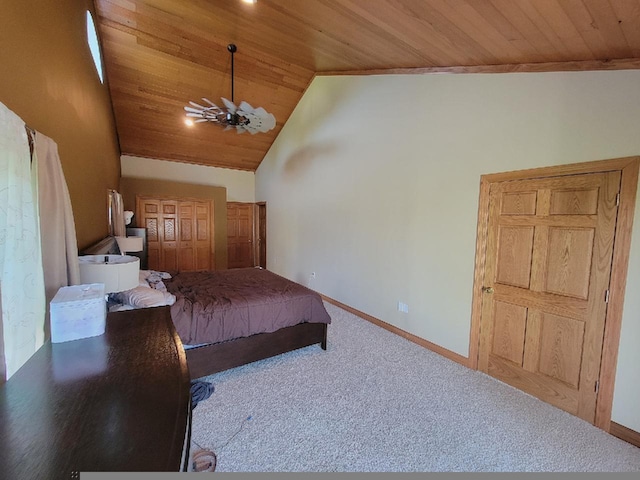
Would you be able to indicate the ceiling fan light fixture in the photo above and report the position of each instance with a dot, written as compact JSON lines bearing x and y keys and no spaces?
{"x":244,"y":118}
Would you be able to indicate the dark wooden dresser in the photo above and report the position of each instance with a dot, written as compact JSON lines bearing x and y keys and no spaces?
{"x":119,"y":402}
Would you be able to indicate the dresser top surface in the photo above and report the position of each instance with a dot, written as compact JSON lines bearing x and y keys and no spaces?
{"x":116,"y":402}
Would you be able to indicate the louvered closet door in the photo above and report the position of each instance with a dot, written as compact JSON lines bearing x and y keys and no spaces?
{"x":549,"y":251}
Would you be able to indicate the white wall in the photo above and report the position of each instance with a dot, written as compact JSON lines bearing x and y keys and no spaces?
{"x":373,"y":184}
{"x":240,"y":184}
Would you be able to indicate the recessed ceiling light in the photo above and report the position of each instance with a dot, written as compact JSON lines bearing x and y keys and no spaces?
{"x":250,"y":1}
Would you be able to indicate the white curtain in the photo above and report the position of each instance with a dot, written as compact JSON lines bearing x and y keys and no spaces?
{"x":117,"y":226}
{"x":57,"y":228}
{"x":21,"y":275}
{"x":3,"y":364}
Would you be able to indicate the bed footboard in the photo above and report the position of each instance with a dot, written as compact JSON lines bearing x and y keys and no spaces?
{"x":217,"y":357}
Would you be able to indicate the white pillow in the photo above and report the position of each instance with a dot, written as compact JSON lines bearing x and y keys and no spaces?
{"x":153,"y":279}
{"x":142,"y":278}
{"x":145,"y":297}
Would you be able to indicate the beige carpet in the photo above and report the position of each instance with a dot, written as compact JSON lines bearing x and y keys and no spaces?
{"x":375,"y":402}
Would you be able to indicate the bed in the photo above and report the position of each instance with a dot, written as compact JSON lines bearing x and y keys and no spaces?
{"x":233,"y":317}
{"x":228,"y":318}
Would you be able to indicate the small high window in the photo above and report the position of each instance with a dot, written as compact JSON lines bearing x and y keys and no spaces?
{"x":92,"y":39}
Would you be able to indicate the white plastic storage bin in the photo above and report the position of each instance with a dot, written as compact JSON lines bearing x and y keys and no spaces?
{"x":79,"y":311}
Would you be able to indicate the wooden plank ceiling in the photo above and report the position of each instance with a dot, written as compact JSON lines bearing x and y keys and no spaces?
{"x":159,"y":54}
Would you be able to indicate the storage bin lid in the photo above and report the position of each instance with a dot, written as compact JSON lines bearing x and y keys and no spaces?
{"x":79,"y":293}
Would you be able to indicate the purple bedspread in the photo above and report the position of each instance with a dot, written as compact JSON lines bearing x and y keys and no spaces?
{"x":217,"y":306}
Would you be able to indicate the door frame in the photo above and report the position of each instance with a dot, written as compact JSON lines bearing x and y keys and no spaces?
{"x":629,"y":167}
{"x":259,"y":206}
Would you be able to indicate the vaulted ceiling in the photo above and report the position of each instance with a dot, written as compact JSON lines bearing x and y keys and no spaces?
{"x":159,"y":54}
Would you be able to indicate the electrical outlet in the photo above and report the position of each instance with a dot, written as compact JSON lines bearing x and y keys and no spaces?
{"x":403,"y":307}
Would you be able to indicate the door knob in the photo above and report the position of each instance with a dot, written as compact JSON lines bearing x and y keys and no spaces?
{"x":487,"y":289}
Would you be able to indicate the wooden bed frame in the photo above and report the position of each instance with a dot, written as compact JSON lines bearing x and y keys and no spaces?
{"x":216,"y":357}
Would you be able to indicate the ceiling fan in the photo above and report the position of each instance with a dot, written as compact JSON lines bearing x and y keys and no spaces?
{"x":244,"y":118}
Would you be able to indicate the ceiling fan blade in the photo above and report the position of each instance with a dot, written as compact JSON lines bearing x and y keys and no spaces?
{"x":245,"y":107}
{"x":210,"y":102}
{"x":261,"y":112}
{"x":229,"y":104}
{"x":257,"y":119}
{"x":260,"y":121}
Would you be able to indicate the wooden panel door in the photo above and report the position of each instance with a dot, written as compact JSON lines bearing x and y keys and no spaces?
{"x":186,"y":242}
{"x":148,"y":214}
{"x":203,"y":233}
{"x":169,"y":232}
{"x":547,"y":273}
{"x":179,"y":233}
{"x":240,"y":235}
